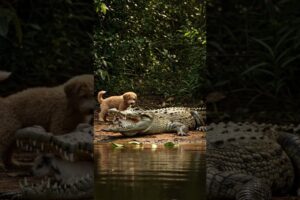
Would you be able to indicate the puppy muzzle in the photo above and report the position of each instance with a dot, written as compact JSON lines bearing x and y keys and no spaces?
{"x":131,"y":102}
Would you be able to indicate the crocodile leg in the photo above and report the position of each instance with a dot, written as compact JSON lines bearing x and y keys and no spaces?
{"x":200,"y":124}
{"x":232,"y":185}
{"x":291,"y":145}
{"x":180,"y":128}
{"x":254,"y":189}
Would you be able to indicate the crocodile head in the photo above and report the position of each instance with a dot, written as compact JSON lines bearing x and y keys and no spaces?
{"x":129,"y":122}
{"x":66,"y":173}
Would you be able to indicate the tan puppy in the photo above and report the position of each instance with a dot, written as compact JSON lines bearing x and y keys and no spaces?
{"x":120,"y":102}
{"x":57,"y":109}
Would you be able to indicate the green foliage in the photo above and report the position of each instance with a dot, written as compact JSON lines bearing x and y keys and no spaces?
{"x":151,"y":47}
{"x":45,"y":42}
{"x":253,"y":49}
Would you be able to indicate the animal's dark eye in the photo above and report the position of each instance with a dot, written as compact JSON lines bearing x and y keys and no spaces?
{"x":39,"y":166}
{"x":84,"y":96}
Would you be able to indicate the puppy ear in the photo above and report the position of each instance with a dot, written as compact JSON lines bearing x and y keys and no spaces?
{"x":126,"y":96}
{"x":73,"y":89}
{"x":135,"y":96}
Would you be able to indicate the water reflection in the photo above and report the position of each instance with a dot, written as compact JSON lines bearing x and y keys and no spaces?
{"x":156,"y":174}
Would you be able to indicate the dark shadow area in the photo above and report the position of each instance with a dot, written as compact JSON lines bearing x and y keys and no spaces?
{"x":45,"y":42}
{"x":46,"y":104}
{"x":253,"y":80}
{"x":252,"y":58}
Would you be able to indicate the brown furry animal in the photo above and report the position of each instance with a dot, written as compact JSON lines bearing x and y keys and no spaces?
{"x":58,"y":109}
{"x":120,"y":102}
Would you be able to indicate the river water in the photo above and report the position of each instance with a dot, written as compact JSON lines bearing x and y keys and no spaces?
{"x":150,"y":173}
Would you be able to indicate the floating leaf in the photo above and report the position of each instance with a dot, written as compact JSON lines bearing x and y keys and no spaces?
{"x":169,"y":144}
{"x":134,"y":142}
{"x":116,"y":145}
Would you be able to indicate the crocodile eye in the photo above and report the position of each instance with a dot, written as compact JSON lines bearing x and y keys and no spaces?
{"x":39,"y":166}
{"x":219,"y":143}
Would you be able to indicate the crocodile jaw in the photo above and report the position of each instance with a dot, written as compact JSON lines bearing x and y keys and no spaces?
{"x":51,"y":189}
{"x":71,"y":147}
{"x":131,"y":126}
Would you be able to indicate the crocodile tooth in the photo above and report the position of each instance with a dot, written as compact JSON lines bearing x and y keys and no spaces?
{"x":25,"y":181}
{"x":18,"y":143}
{"x":34,"y":142}
{"x":72,"y":157}
{"x":66,"y":155}
{"x":60,"y":150}
{"x":55,"y":185}
{"x":48,"y":183}
{"x":42,"y":146}
{"x":21,"y":185}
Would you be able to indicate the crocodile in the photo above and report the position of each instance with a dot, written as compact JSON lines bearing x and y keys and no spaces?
{"x":64,"y":174}
{"x":132,"y":121}
{"x":247,"y":161}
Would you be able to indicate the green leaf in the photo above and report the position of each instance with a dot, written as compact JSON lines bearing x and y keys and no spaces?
{"x":254,"y":67}
{"x":289,"y":61}
{"x":283,"y":39}
{"x":169,"y":145}
{"x":265,"y":45}
{"x":104,"y":8}
{"x":116,"y":145}
{"x":134,"y":142}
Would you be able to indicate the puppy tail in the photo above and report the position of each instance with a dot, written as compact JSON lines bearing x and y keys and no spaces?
{"x":100,"y":94}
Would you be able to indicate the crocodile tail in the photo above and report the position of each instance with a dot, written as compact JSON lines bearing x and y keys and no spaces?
{"x":100,"y":96}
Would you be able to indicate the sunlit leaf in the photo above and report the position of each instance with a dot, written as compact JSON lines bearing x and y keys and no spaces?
{"x":104,"y":8}
{"x":116,"y":145}
{"x":134,"y":142}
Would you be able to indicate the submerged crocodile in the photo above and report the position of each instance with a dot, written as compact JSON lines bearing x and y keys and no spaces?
{"x":249,"y":161}
{"x":173,"y":119}
{"x":70,"y":177}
